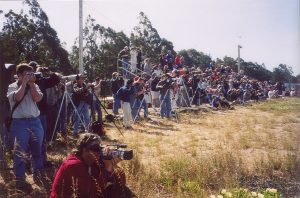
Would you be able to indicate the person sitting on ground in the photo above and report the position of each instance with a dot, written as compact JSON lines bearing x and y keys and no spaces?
{"x":86,"y":174}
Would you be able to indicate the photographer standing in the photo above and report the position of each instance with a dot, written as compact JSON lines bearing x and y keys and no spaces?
{"x":85,"y":174}
{"x":26,"y":128}
{"x":124,"y":58}
{"x":45,"y":81}
{"x":123,"y":95}
{"x":96,"y":107}
{"x":139,"y":101}
{"x":116,"y":83}
{"x":164,"y":86}
{"x":82,"y":99}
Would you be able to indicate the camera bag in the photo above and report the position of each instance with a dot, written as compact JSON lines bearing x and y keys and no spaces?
{"x":8,"y":120}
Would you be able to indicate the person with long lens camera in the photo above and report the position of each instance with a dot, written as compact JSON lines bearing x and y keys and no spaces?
{"x":91,"y":171}
{"x":164,"y":86}
{"x":82,"y":98}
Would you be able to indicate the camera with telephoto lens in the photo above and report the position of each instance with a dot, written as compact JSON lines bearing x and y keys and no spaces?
{"x":69,"y":78}
{"x":118,"y":150}
{"x":34,"y":76}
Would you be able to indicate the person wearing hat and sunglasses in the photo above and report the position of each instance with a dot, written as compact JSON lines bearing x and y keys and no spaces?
{"x":85,"y":174}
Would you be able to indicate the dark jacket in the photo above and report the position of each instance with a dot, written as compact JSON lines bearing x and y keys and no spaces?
{"x":124,"y":93}
{"x":116,"y":84}
{"x":81,"y":94}
{"x":44,"y":84}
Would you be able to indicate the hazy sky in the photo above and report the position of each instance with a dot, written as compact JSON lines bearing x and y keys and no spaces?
{"x":268,"y":30}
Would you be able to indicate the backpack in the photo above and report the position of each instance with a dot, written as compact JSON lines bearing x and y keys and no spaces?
{"x":97,"y":128}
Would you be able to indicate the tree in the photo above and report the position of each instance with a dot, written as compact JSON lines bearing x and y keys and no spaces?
{"x":193,"y":57}
{"x":29,"y":36}
{"x":256,"y":71}
{"x":147,"y":38}
{"x":283,"y":73}
{"x":228,"y":61}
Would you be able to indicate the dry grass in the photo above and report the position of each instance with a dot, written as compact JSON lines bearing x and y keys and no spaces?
{"x":252,"y":147}
{"x":247,"y":147}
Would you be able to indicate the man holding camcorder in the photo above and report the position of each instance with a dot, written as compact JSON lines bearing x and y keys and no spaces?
{"x":85,"y":173}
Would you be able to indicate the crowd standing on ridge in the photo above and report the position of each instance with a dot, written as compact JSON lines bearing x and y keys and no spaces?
{"x":45,"y":103}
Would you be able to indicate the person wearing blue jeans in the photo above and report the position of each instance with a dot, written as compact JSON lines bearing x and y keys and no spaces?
{"x":28,"y":134}
{"x":116,"y":105}
{"x":26,"y":129}
{"x":116,"y":83}
{"x":82,"y":99}
{"x":83,"y":110}
{"x":164,"y":86}
{"x":138,"y":105}
{"x":165,"y":109}
{"x":138,"y":98}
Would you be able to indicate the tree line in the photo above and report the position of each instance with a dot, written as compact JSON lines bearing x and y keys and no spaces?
{"x":27,"y":36}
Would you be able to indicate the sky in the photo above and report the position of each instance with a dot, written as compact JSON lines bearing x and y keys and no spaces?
{"x":267,"y":30}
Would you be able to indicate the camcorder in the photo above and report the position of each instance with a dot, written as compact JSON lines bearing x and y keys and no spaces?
{"x":118,"y":150}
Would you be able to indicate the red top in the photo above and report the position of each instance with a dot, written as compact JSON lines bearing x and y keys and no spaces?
{"x":73,"y":180}
{"x":177,"y":60}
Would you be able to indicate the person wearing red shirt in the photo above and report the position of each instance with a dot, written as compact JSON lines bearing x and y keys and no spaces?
{"x":84,"y":174}
{"x":177,"y":61}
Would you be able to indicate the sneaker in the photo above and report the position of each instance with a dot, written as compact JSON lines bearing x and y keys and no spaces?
{"x":24,"y":186}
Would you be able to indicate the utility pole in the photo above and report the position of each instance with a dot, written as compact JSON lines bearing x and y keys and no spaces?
{"x":80,"y":38}
{"x":239,"y":59}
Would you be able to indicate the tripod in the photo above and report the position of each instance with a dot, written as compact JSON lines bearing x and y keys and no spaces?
{"x":65,"y":98}
{"x":93,"y":92}
{"x":197,"y":91}
{"x":164,"y":100}
{"x":139,"y":109}
{"x":181,"y":98}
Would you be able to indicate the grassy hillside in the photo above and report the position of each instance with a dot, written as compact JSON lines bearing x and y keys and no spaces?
{"x":255,"y":147}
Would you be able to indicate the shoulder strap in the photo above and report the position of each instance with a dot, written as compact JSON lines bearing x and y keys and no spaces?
{"x":17,"y":103}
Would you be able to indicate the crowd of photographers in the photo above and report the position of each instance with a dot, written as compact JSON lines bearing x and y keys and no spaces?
{"x":38,"y":110}
{"x":167,"y":84}
{"x":43,"y":103}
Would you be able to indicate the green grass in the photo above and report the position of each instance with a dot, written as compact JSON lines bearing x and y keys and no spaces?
{"x":279,"y":106}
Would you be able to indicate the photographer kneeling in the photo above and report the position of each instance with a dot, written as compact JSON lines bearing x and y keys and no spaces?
{"x":86,"y":174}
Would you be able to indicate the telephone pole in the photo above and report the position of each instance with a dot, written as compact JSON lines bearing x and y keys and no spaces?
{"x":239,"y":59}
{"x":80,"y":38}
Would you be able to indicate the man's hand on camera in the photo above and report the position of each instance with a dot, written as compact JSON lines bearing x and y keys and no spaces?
{"x":26,"y":78}
{"x":110,"y":164}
